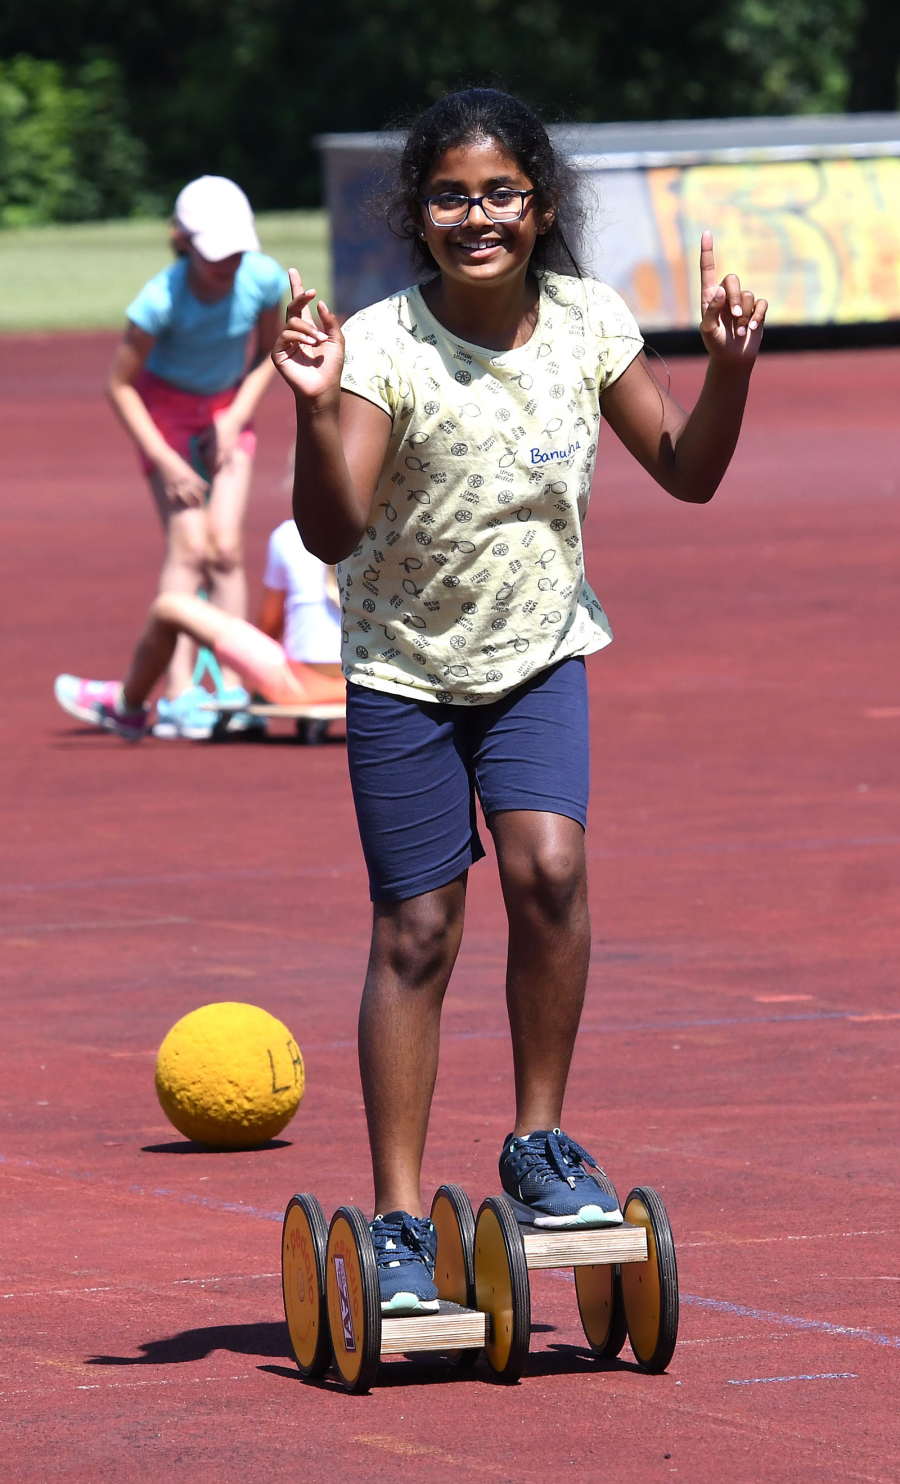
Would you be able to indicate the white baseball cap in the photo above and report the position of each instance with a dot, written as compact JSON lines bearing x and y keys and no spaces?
{"x":217,"y":217}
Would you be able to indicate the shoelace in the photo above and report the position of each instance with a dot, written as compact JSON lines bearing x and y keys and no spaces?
{"x":551,"y":1158}
{"x":409,"y":1236}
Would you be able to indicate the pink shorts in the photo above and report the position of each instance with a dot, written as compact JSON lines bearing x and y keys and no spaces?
{"x":264,"y":667}
{"x":183,"y":416}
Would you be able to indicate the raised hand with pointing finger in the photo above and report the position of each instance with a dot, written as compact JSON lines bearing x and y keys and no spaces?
{"x":337,"y":460}
{"x":309,"y":358}
{"x":688,"y":454}
{"x":732,"y":318}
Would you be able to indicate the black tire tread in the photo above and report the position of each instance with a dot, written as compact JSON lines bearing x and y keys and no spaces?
{"x":465,"y":1216}
{"x":319,"y":1228}
{"x":668,"y":1279}
{"x":371,"y":1296}
{"x":519,"y":1285}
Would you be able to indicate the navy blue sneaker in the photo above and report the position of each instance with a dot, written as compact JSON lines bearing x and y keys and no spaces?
{"x":544,"y":1176}
{"x":405,"y":1251}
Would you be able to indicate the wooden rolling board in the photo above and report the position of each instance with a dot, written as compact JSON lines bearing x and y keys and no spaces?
{"x":332,"y":711}
{"x":451,"y":1328}
{"x":580,"y":1249}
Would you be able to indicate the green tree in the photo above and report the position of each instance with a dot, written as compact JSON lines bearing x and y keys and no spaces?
{"x":66,"y":153}
{"x":240,"y":86}
{"x":792,"y":57}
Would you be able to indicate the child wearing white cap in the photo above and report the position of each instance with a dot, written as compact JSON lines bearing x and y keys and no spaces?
{"x":186,"y":380}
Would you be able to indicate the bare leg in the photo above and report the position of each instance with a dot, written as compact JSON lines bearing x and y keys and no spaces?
{"x":543,"y":874}
{"x":414,"y":948}
{"x":184,"y":571}
{"x":224,"y":552}
{"x":172,"y":616}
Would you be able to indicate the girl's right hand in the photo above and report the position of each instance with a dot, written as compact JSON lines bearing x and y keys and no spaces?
{"x":310,"y":359}
{"x":184,"y":487}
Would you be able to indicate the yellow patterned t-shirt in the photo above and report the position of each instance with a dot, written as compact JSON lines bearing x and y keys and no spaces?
{"x":469,"y":577}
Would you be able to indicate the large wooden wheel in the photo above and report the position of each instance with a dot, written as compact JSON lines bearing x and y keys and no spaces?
{"x":454,"y":1269}
{"x":353,"y":1298}
{"x":501,"y":1287}
{"x":599,"y":1292}
{"x":304,"y":1238}
{"x":650,"y":1289}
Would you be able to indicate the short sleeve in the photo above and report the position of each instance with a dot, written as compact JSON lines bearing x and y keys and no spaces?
{"x":151,"y":311}
{"x":273,"y":282}
{"x":619,"y":340}
{"x":369,"y":369}
{"x":275,"y":576}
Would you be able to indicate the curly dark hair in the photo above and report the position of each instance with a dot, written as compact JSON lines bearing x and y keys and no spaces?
{"x":487,"y":113}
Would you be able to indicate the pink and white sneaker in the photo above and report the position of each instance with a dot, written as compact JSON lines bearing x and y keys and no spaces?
{"x":100,"y":704}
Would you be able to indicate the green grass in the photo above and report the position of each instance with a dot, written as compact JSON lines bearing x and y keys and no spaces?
{"x":82,"y":277}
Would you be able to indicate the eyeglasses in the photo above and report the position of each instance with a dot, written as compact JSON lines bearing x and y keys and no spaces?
{"x":448,"y":210}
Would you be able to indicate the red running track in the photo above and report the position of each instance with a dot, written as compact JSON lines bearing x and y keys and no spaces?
{"x":739,"y":1048}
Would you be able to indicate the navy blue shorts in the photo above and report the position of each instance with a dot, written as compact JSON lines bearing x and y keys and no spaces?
{"x":415,"y":767}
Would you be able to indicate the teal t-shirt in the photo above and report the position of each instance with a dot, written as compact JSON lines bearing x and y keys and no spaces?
{"x":202,"y":348}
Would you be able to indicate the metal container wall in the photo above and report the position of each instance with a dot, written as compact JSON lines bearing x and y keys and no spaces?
{"x":806,"y":209}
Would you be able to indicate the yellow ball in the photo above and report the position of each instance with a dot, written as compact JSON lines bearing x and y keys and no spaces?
{"x":229,"y":1075}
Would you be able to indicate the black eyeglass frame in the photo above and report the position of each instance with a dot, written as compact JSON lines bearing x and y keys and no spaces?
{"x":476,"y":201}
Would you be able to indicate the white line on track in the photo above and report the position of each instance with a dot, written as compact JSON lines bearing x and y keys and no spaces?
{"x":142,"y":1287}
{"x":727,"y":1339}
{"x":822,"y":1376}
{"x":128,"y":1385}
{"x":810,"y":1237}
{"x":771,"y":1316}
{"x":175,"y":878}
{"x":793,"y":1321}
{"x":78,"y":927}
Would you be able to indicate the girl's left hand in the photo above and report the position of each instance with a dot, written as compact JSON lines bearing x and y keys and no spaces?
{"x":732,"y":318}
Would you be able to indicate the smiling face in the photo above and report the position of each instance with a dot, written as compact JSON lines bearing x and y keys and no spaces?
{"x":480,"y":251}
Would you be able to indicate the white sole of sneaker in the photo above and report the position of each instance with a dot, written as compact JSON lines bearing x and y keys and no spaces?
{"x":588,"y":1216}
{"x":167,"y":731}
{"x":407,"y":1303}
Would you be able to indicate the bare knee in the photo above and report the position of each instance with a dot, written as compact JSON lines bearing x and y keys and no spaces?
{"x":417,"y":940}
{"x":225,"y":554}
{"x":183,"y":611}
{"x":166,"y":608}
{"x":548,"y":881}
{"x":189,"y":552}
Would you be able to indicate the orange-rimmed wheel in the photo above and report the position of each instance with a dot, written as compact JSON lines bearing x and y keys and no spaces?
{"x":353,"y":1298}
{"x":501,"y":1287}
{"x":304,"y":1237}
{"x":650,"y":1289}
{"x":454,"y":1269}
{"x":599,"y":1292}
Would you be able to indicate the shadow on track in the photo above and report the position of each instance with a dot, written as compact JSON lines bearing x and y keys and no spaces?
{"x":268,"y":1339}
{"x":271,"y":1340}
{"x":187,"y":1146}
{"x":436,"y":1370}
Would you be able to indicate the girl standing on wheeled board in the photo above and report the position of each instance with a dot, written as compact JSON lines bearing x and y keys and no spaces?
{"x":445,"y":449}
